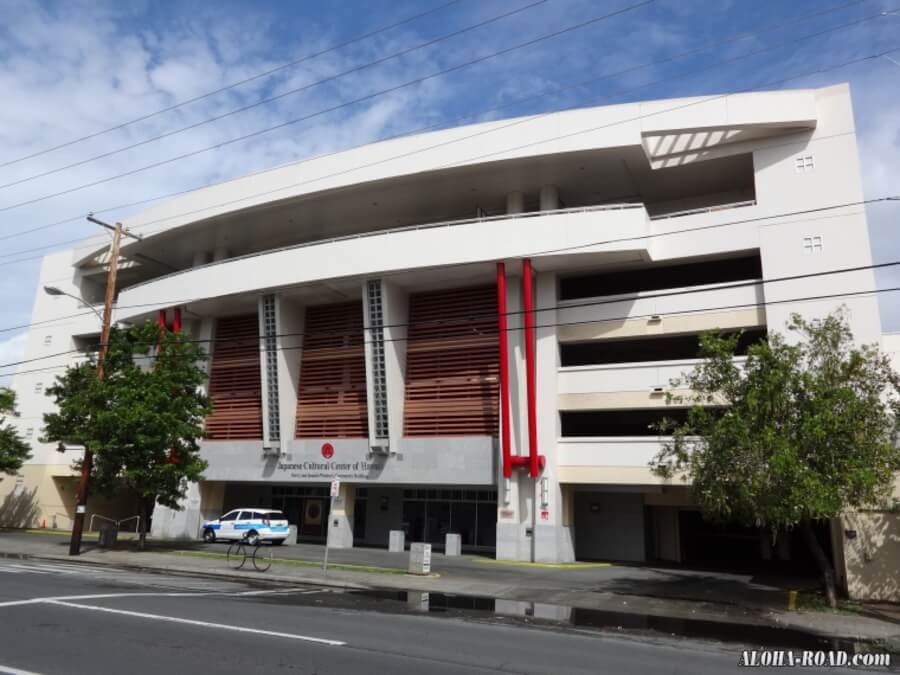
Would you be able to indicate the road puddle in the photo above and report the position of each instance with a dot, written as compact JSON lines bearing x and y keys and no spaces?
{"x":561,"y":617}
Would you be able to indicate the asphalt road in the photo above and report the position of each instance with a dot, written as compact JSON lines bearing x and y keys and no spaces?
{"x":72,"y":618}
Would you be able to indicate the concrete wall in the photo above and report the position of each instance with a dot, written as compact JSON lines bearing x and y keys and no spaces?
{"x":465,"y":460}
{"x":872,"y":558}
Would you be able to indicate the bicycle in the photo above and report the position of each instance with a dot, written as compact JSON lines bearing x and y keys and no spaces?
{"x":238,"y":553}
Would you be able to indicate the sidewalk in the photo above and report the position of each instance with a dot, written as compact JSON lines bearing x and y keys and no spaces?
{"x":548,"y":589}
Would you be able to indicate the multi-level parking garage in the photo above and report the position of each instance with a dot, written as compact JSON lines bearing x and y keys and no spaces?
{"x":475,"y":329}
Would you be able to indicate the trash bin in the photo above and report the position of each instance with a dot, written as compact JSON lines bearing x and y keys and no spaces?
{"x":109,"y":534}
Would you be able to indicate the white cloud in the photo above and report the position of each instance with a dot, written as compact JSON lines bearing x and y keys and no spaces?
{"x":11,"y":349}
{"x":70,"y":69}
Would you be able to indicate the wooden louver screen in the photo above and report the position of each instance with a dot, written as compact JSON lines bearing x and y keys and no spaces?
{"x":235,"y":384}
{"x":453,"y":364}
{"x":331,"y":401}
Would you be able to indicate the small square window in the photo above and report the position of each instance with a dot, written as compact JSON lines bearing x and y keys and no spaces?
{"x":48,"y":340}
{"x":812,"y":244}
{"x":804,"y":164}
{"x":38,"y":387}
{"x":29,"y":432}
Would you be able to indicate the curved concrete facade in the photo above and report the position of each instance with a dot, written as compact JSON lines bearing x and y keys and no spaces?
{"x":646,"y":224}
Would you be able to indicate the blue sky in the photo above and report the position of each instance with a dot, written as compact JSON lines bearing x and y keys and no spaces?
{"x":72,"y":68}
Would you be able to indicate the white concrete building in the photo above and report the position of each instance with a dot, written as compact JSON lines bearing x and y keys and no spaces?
{"x":350,"y":304}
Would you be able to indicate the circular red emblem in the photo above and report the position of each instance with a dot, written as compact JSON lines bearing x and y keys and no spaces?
{"x":327,"y":450}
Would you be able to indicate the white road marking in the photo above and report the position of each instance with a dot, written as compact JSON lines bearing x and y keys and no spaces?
{"x":103,"y":596}
{"x":44,"y":569}
{"x":204,"y":624}
{"x":9,"y":670}
{"x":294,"y":591}
{"x":15,"y":603}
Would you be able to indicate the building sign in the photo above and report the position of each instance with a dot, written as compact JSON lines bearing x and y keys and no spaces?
{"x":332,"y":470}
{"x":326,"y":471}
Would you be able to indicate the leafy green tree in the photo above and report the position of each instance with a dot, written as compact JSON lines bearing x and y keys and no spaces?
{"x":143,"y":421}
{"x":13,"y":450}
{"x":805,"y":430}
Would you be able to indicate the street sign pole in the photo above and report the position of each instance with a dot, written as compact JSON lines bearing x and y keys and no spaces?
{"x":335,"y":491}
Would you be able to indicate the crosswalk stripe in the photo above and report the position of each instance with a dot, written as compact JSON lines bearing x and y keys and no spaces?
{"x":28,"y":570}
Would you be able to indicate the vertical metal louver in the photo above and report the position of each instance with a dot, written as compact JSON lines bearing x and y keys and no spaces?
{"x":270,"y":345}
{"x":379,"y":378}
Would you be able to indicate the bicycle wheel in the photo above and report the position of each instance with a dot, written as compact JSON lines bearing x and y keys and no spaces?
{"x":262,"y":557}
{"x":237,"y":555}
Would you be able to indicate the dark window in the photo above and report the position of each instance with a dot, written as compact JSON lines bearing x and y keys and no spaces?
{"x":659,"y":277}
{"x":655,"y":348}
{"x":617,"y":422}
{"x":230,"y":516}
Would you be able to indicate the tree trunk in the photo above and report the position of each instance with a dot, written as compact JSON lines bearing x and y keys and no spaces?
{"x":142,"y":538}
{"x":825,"y":567}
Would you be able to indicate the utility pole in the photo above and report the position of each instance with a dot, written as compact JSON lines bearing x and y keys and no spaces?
{"x":87,"y":462}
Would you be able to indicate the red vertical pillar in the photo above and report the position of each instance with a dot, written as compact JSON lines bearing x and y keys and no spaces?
{"x":530,"y":370}
{"x":176,"y":321}
{"x":162,"y":319}
{"x":503,"y":337}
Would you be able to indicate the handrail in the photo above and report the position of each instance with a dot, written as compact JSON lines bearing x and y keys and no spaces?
{"x":705,"y":209}
{"x":405,"y":228}
{"x":117,"y":523}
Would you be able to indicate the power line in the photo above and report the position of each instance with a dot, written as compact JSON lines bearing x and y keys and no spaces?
{"x":252,"y":78}
{"x":765,"y":303}
{"x":569,"y":305}
{"x":540,"y":95}
{"x":266,"y":130}
{"x":743,"y":221}
{"x":356,"y":69}
{"x":275,"y":97}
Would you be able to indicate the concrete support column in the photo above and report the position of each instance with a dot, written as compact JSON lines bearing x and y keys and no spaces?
{"x":553,"y":540}
{"x":212,"y":499}
{"x":291,"y":322}
{"x":515,"y":202}
{"x":184,"y":524}
{"x":549,"y":198}
{"x":515,"y":504}
{"x":340,"y":529}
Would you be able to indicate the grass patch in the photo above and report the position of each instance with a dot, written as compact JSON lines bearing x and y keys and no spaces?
{"x":553,"y":566}
{"x":814,"y":601}
{"x":348,"y":567}
{"x":63,"y":533}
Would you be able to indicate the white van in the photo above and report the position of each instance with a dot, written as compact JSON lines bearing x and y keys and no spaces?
{"x":256,"y":524}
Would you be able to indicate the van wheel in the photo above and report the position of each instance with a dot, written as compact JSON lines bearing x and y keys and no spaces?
{"x":253,"y":537}
{"x":209,"y":536}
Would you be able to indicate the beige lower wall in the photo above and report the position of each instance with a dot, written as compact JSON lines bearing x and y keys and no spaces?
{"x":45,"y":494}
{"x":872,"y":558}
{"x":619,"y":400}
{"x":613,"y":475}
{"x":669,"y":325}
